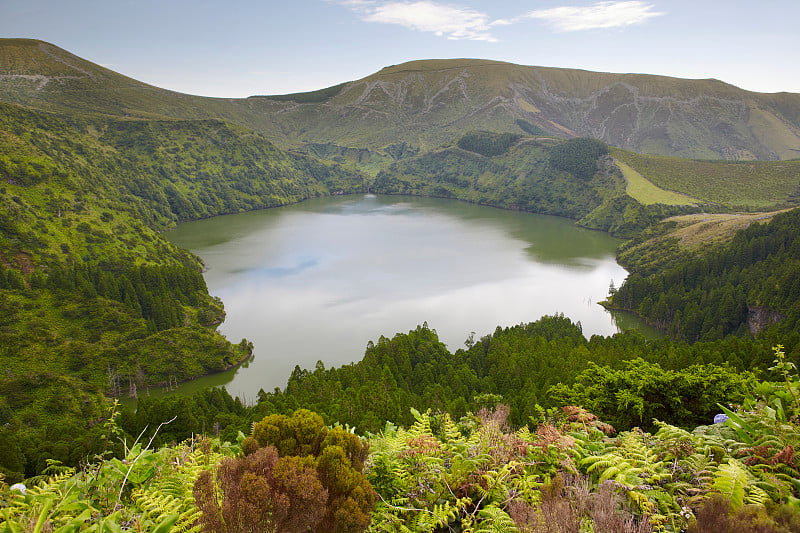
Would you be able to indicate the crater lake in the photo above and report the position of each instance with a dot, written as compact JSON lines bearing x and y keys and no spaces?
{"x":318,"y":280}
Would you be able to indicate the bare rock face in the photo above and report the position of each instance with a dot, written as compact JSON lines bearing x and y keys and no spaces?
{"x":759,"y":317}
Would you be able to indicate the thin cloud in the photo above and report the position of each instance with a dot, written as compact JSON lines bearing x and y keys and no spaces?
{"x":356,"y":4}
{"x":451,"y":21}
{"x":599,"y":15}
{"x":459,"y":22}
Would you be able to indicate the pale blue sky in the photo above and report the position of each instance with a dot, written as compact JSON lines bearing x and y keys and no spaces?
{"x":239,"y":48}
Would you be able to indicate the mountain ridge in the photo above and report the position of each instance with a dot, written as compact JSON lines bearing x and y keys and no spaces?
{"x":429,"y":103}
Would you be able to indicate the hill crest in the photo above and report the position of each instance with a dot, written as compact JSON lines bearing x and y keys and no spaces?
{"x":430,"y":103}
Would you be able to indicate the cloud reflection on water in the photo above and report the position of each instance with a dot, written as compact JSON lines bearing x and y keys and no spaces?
{"x":317,"y":281}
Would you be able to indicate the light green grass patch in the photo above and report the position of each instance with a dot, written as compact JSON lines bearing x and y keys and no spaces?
{"x":645,"y":192}
{"x":744,"y":185}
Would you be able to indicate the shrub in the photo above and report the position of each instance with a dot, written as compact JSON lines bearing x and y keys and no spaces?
{"x":717,"y":515}
{"x":296,"y":475}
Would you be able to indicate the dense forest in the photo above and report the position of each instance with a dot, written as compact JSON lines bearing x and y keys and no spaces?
{"x":737,"y":288}
{"x":529,"y":367}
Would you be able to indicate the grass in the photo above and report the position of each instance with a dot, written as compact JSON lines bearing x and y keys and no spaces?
{"x":662,"y":244}
{"x":698,"y":231}
{"x":312,"y":97}
{"x":645,"y":192}
{"x":746,"y":185}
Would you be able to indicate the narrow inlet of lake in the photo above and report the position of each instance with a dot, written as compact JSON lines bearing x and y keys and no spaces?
{"x":317,"y":280}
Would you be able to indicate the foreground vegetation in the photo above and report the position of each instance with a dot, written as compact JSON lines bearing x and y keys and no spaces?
{"x":562,"y":470}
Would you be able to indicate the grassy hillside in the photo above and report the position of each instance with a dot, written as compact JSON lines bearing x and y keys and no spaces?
{"x":684,"y":235}
{"x":434,"y":102}
{"x":750,"y":185}
{"x":42,"y":76}
{"x":524,"y":173}
{"x":427,"y":103}
{"x":644,"y":191}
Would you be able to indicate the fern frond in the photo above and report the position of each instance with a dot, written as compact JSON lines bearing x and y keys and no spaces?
{"x":422,"y":523}
{"x":492,"y":519}
{"x":668,"y":432}
{"x":680,"y":487}
{"x":384,"y":521}
{"x":156,"y":505}
{"x":496,"y":482}
{"x":757,"y":495}
{"x":390,"y":444}
{"x":731,"y":479}
{"x":525,"y":434}
{"x":643,"y":504}
{"x":777,"y":484}
{"x":48,"y":484}
{"x":444,"y":513}
{"x":770,"y":441}
{"x":173,"y":486}
{"x":622,"y":473}
{"x":451,"y":431}
{"x":422,"y":424}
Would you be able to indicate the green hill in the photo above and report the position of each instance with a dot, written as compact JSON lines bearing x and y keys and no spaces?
{"x":428,"y":102}
{"x":433,"y":102}
{"x":93,"y":300}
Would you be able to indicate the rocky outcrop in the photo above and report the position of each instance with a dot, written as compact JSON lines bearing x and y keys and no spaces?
{"x":759,"y":317}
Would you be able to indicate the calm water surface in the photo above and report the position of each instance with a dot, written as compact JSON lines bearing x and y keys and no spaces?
{"x":318,"y":280}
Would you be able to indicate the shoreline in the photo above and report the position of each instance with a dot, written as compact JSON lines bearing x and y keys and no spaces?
{"x":124,"y":392}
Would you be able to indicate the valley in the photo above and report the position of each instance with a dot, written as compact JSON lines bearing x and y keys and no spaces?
{"x":696,"y":179}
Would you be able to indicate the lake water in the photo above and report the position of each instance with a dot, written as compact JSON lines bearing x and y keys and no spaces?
{"x":318,"y":280}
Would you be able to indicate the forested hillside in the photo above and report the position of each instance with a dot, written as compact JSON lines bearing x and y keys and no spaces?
{"x":741,"y":287}
{"x":93,"y":300}
{"x":564,"y":178}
